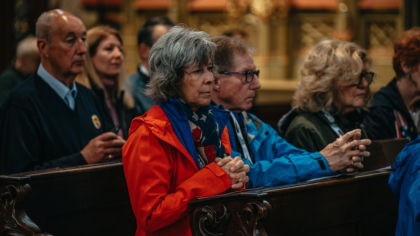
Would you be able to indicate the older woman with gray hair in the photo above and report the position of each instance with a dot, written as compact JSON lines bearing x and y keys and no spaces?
{"x":179,"y":149}
{"x":330,"y":97}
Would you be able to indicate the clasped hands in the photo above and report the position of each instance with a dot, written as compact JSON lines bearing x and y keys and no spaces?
{"x":347,"y":152}
{"x":236,"y":169}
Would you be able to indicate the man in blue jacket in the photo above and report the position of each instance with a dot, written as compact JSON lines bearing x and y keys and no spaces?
{"x":404,"y":182}
{"x":273,"y":160}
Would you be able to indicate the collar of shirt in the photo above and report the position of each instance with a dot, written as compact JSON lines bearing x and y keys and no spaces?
{"x":68,"y":95}
{"x":144,"y":70}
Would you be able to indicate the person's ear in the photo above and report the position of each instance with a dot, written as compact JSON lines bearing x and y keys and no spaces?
{"x":42,"y":45}
{"x":405,"y":68}
{"x":144,"y":50}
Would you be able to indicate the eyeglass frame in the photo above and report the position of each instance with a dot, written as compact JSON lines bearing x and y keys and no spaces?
{"x":246,"y":73}
{"x":367,"y":75}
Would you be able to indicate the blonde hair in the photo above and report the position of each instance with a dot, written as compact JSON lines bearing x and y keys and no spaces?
{"x":329,"y":66}
{"x":89,"y":76}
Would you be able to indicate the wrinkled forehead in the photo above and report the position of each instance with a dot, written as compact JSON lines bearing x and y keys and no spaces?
{"x":242,"y":62}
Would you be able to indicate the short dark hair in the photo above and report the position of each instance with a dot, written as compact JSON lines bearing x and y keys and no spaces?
{"x":145,"y":34}
{"x":407,"y":50}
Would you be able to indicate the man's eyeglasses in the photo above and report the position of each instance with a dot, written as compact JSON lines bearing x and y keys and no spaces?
{"x":368,"y":75}
{"x":249,"y":75}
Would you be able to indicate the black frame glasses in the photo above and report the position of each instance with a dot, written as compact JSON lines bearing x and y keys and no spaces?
{"x":367,"y":75}
{"x":249,"y":75}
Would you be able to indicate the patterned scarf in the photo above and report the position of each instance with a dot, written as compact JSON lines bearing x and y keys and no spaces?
{"x":205,"y":131}
{"x":206,"y":135}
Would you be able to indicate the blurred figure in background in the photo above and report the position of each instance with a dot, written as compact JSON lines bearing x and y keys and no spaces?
{"x":237,"y":33}
{"x":25,"y":65}
{"x":103,"y":73}
{"x":148,"y":34}
{"x":332,"y":91}
{"x":395,"y":108}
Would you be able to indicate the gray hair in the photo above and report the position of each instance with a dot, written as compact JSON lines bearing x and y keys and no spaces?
{"x":43,"y":24}
{"x":170,"y":55}
{"x":27,"y":46}
{"x":330,"y":65}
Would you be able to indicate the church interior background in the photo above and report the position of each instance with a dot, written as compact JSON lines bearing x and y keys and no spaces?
{"x":282,"y":31}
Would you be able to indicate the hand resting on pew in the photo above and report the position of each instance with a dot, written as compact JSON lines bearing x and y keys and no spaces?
{"x":347,"y":152}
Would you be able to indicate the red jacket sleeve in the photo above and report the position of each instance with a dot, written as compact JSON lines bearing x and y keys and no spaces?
{"x":161,"y":181}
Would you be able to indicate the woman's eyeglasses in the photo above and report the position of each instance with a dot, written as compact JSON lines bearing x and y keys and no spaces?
{"x":249,"y":75}
{"x":367,"y":75}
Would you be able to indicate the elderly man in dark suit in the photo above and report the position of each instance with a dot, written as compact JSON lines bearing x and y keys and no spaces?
{"x":50,"y":120}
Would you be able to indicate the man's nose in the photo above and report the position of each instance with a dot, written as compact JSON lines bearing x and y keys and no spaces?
{"x":81,"y":46}
{"x":255,"y":83}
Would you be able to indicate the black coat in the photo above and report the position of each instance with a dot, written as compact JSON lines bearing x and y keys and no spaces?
{"x":38,"y":130}
{"x":380,"y":122}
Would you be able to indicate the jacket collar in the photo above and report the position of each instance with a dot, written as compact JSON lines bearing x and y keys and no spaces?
{"x":158,"y":123}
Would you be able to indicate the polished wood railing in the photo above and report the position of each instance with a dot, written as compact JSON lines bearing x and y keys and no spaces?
{"x":360,"y":204}
{"x":93,"y":200}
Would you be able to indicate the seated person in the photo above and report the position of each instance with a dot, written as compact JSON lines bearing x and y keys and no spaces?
{"x":49,"y":120}
{"x":148,"y":34}
{"x":178,"y":150}
{"x":404,"y":182}
{"x":25,"y":65}
{"x":273,"y":161}
{"x":332,"y":91}
{"x":104,"y":74}
{"x":394,"y":110}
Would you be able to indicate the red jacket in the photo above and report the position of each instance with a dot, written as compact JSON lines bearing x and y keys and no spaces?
{"x":162,"y":176}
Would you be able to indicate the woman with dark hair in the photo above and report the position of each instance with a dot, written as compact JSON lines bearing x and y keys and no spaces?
{"x":179,"y":149}
{"x":104,"y":75}
{"x":394,"y":110}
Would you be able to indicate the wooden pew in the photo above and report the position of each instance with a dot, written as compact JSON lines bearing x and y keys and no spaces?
{"x":346,"y":205}
{"x":93,"y":200}
{"x":85,"y":200}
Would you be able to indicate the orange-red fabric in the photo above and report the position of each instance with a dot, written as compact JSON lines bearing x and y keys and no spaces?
{"x":162,"y":176}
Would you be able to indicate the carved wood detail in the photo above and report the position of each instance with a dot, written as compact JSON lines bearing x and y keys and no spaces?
{"x":13,"y":218}
{"x":211,"y":221}
{"x":251,"y":217}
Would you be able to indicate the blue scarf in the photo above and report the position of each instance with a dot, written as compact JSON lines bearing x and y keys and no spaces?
{"x":200,"y":131}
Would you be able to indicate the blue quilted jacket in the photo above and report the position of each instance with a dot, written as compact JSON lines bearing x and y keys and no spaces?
{"x":276,"y":162}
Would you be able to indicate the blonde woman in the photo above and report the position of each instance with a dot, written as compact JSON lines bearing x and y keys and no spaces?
{"x":104,"y":73}
{"x":333,"y":90}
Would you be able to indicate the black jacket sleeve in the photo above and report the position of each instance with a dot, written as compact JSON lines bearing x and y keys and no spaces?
{"x":21,"y":144}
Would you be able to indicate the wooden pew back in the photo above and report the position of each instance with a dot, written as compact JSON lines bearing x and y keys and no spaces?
{"x":85,"y":200}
